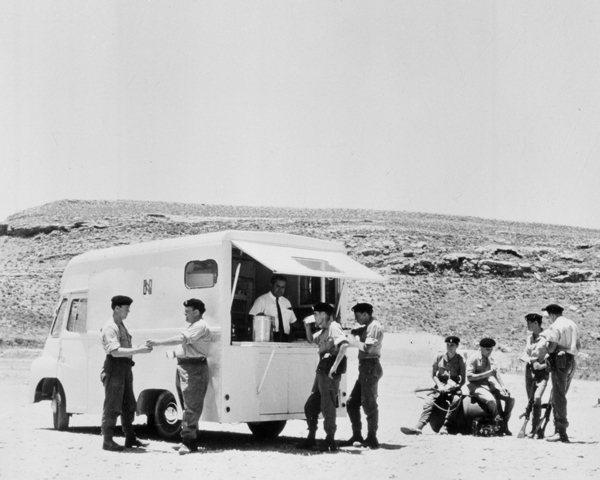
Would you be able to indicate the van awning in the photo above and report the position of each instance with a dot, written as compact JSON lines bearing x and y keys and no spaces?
{"x":308,"y":263}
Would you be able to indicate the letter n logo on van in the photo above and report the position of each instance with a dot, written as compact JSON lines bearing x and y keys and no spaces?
{"x":148,"y":287}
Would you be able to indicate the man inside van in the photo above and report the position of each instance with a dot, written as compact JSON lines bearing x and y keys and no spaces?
{"x":274,"y":304}
{"x":332,"y":343}
{"x":117,"y":377}
{"x":192,"y":370}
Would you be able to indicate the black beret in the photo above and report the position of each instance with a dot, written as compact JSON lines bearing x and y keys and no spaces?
{"x":452,"y":339}
{"x":487,"y":343}
{"x":323,"y":307}
{"x":195,"y":304}
{"x":553,"y":308}
{"x":120,"y":300}
{"x":533,"y":317}
{"x":363,"y":308}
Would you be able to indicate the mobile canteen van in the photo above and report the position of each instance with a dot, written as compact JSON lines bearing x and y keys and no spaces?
{"x":262,"y":383}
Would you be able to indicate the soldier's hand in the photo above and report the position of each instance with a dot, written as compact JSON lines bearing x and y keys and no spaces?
{"x":150,"y":343}
{"x":144,"y":349}
{"x":538,"y":366}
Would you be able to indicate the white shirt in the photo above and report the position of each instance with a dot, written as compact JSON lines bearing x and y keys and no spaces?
{"x":565,"y":333}
{"x":266,"y":304}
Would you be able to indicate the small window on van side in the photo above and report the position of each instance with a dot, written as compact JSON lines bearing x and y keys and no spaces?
{"x":201,"y":274}
{"x":78,"y":316}
{"x":58,"y":320}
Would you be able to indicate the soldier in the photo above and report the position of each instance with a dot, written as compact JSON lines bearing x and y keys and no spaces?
{"x":536,"y":375}
{"x":117,"y":377}
{"x":192,"y":370}
{"x":332,"y":345}
{"x":563,"y":345}
{"x":368,"y":339}
{"x":449,"y":375}
{"x":486,"y":384}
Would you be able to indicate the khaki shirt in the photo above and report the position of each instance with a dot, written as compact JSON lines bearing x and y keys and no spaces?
{"x":329,"y":339}
{"x":196,"y":342}
{"x":565,"y":333}
{"x":372,"y":335}
{"x":479,"y":364}
{"x":115,"y":335}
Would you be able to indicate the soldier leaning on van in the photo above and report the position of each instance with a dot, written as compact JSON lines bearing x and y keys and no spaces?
{"x":332,"y":344}
{"x":192,"y":370}
{"x":117,"y":377}
{"x":368,"y":339}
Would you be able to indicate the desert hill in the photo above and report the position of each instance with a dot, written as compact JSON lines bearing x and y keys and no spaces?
{"x":448,"y":275}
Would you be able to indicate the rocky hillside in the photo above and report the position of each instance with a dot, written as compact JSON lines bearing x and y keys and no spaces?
{"x":461,"y":275}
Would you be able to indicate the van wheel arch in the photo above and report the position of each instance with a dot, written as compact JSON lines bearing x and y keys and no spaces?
{"x":267,"y":430}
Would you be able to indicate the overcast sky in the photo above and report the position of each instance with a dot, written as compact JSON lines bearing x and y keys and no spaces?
{"x":482,"y":108}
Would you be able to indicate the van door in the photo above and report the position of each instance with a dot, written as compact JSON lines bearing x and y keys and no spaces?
{"x":52,"y":345}
{"x":72,"y":365}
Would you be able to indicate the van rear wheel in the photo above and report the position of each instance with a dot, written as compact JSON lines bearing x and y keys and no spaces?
{"x":166,"y":422}
{"x":60,"y":417}
{"x":266,"y":430}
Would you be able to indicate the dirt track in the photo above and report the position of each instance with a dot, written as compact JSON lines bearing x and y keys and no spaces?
{"x":31,"y":449}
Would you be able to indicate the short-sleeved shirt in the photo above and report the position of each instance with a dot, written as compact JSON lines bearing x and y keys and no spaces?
{"x":565,"y":333}
{"x":267,"y":305}
{"x":536,"y":348}
{"x":196,"y":342}
{"x":479,"y":364}
{"x":449,"y":368}
{"x":329,"y":339}
{"x":115,"y":335}
{"x":372,"y":335}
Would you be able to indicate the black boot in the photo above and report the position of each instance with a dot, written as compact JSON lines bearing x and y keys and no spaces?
{"x":329,"y":444}
{"x":355,"y":438}
{"x":110,"y":445}
{"x":310,"y":442}
{"x":371,"y":441}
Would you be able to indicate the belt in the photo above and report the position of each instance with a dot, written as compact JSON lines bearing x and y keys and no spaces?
{"x":191,"y":361}
{"x":369,"y":359}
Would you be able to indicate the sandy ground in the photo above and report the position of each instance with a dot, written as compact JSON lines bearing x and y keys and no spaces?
{"x":31,"y":449}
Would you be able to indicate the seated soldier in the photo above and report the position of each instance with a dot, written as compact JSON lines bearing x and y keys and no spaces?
{"x":449,"y":375}
{"x":485,"y":384}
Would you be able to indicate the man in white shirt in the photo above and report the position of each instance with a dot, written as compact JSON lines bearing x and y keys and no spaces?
{"x":274,"y":304}
{"x":563,"y":345}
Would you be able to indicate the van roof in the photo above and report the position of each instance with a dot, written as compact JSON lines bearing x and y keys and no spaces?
{"x":265,"y":238}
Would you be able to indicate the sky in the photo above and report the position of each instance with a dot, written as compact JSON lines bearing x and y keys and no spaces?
{"x":477,"y":108}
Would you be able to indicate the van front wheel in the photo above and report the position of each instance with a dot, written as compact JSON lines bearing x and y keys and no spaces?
{"x":266,"y":430}
{"x":166,"y":421}
{"x":60,"y":417}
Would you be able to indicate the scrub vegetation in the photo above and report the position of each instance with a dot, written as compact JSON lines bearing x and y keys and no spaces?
{"x":466,"y":276}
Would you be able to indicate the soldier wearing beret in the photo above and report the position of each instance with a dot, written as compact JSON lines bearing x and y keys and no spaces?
{"x":368,"y":339}
{"x":536,"y":375}
{"x":562,"y":337}
{"x":193,"y":348}
{"x":448,"y":372}
{"x":332,"y":345}
{"x":117,"y":377}
{"x":486,"y":384}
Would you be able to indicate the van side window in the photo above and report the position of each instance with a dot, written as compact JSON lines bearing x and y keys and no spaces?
{"x":201,"y":274}
{"x":310,"y":290}
{"x":58,"y":320}
{"x":78,"y":316}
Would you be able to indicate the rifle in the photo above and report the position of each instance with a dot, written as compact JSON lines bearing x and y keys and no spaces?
{"x":525,"y":414}
{"x":541,"y":427}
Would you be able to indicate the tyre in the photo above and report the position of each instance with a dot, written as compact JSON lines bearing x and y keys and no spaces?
{"x":60,"y":417}
{"x":266,"y":430}
{"x":165,"y":416}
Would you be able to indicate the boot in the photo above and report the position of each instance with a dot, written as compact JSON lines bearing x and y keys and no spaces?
{"x":559,"y":436}
{"x":355,"y":438}
{"x":111,"y":446}
{"x":329,"y":445}
{"x":411,"y":431}
{"x":371,"y":441}
{"x":188,"y":446}
{"x":310,"y":441}
{"x":133,"y":441}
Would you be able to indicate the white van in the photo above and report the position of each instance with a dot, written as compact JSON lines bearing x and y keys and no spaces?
{"x":262,"y":383}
